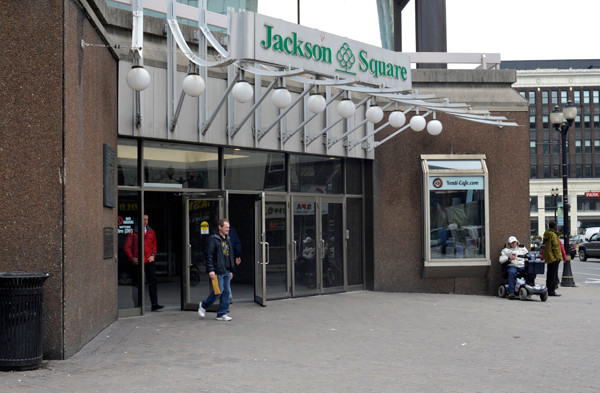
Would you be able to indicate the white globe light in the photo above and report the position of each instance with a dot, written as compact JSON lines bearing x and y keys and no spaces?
{"x":418,"y":123}
{"x":242,"y":92}
{"x":281,"y":97}
{"x":374,"y":114}
{"x":138,"y":78}
{"x":346,"y":108}
{"x":316,"y":103}
{"x":434,"y":127}
{"x":193,"y":85}
{"x":397,"y":119}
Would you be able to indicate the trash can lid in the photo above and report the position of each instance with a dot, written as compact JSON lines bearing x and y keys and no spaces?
{"x":19,"y":273}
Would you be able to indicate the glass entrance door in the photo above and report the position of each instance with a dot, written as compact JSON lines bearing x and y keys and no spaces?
{"x":202,"y":213}
{"x":272,"y":272}
{"x":318,"y":244}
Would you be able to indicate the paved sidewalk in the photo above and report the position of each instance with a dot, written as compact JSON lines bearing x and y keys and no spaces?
{"x":352,"y":342}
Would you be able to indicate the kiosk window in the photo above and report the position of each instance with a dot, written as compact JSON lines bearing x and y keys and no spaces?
{"x":455,"y":197}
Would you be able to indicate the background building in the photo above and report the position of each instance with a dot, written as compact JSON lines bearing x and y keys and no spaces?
{"x":544,"y":84}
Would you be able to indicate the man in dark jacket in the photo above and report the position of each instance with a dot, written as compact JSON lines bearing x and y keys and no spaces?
{"x":552,"y":257}
{"x":220,"y":264}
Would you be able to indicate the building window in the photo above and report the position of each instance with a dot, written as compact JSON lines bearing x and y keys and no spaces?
{"x":533,"y":171}
{"x":578,"y":171}
{"x":545,"y":97}
{"x":554,"y":97}
{"x":523,"y":94}
{"x":596,"y":146}
{"x":597,"y":169}
{"x":588,"y":146}
{"x":577,"y":146}
{"x":314,"y":174}
{"x":533,"y":204}
{"x":532,"y":98}
{"x":545,"y":122}
{"x":576,"y":97}
{"x":532,"y":147}
{"x":585,"y":204}
{"x":596,"y":121}
{"x":546,"y":147}
{"x":586,"y":121}
{"x":546,"y":171}
{"x":588,"y":170}
{"x":586,"y":96}
{"x":532,"y":122}
{"x":254,"y":170}
{"x":578,"y":121}
{"x":556,"y":171}
{"x":556,"y":147}
{"x":563,"y":97}
{"x":456,"y":227}
{"x":596,"y":97}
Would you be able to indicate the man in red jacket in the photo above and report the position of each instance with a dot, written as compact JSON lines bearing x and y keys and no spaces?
{"x":131,"y":250}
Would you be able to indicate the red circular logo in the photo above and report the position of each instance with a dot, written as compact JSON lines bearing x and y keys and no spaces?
{"x":437,"y":182}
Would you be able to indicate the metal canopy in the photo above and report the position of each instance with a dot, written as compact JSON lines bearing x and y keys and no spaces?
{"x":299,"y":80}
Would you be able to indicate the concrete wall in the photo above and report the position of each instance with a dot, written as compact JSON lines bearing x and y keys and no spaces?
{"x":58,"y":110}
{"x":398,"y":227}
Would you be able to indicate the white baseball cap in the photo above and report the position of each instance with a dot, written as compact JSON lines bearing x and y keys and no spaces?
{"x":512,"y":239}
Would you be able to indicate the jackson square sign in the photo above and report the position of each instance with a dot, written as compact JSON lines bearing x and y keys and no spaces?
{"x":273,"y":41}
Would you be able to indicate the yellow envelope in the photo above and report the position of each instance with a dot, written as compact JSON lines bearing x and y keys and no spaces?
{"x":215,"y":285}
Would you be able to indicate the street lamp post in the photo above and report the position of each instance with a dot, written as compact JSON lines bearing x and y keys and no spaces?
{"x":554,"y":197}
{"x":557,"y":118}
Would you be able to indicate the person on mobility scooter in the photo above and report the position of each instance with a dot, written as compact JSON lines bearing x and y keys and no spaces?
{"x":515,"y":260}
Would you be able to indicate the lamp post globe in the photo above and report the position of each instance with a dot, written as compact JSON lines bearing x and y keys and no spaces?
{"x":346,"y":108}
{"x":138,"y":78}
{"x":374,"y":114}
{"x":418,"y":123}
{"x":193,"y":85}
{"x":316,"y":103}
{"x":434,"y":127}
{"x":397,"y":119}
{"x":281,"y":97}
{"x":242,"y":92}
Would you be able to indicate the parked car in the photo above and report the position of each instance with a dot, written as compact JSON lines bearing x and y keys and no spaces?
{"x":591,"y":248}
{"x":589,"y":232}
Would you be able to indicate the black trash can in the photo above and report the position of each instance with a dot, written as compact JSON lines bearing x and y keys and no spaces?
{"x":21,"y":298}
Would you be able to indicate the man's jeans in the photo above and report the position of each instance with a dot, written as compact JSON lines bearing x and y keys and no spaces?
{"x":224,"y":285}
{"x":512,"y":277}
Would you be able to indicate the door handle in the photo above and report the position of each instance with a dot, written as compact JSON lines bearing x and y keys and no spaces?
{"x":268,"y":256}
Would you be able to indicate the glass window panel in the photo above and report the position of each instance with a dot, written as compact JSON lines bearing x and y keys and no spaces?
{"x":532,"y":147}
{"x":586,"y":121}
{"x":254,"y":170}
{"x":596,"y":121}
{"x":546,"y":171}
{"x":355,"y":241}
{"x":532,"y":122}
{"x":314,"y":174}
{"x":454,"y":164}
{"x":353,"y":176}
{"x":128,"y":273}
{"x":588,"y":146}
{"x":127,"y":162}
{"x":546,"y":121}
{"x":554,"y":97}
{"x":596,"y":97}
{"x":588,"y":170}
{"x":578,"y":171}
{"x":531,"y":98}
{"x":563,"y":97}
{"x":171,"y":165}
{"x":533,"y":204}
{"x":457,"y":226}
{"x":555,"y":170}
{"x":596,"y":146}
{"x":586,"y":96}
{"x":533,"y":171}
{"x":544,"y":97}
{"x":576,"y":97}
{"x":523,"y":94}
{"x":578,"y":146}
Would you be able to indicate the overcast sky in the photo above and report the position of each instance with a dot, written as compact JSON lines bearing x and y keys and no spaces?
{"x":517,"y":29}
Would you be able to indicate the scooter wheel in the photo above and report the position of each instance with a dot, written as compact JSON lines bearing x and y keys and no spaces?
{"x":523,"y":294}
{"x":544,"y":296}
{"x":501,"y":290}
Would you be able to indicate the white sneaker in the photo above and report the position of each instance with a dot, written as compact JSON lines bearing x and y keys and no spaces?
{"x":201,"y":311}
{"x":224,"y":318}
